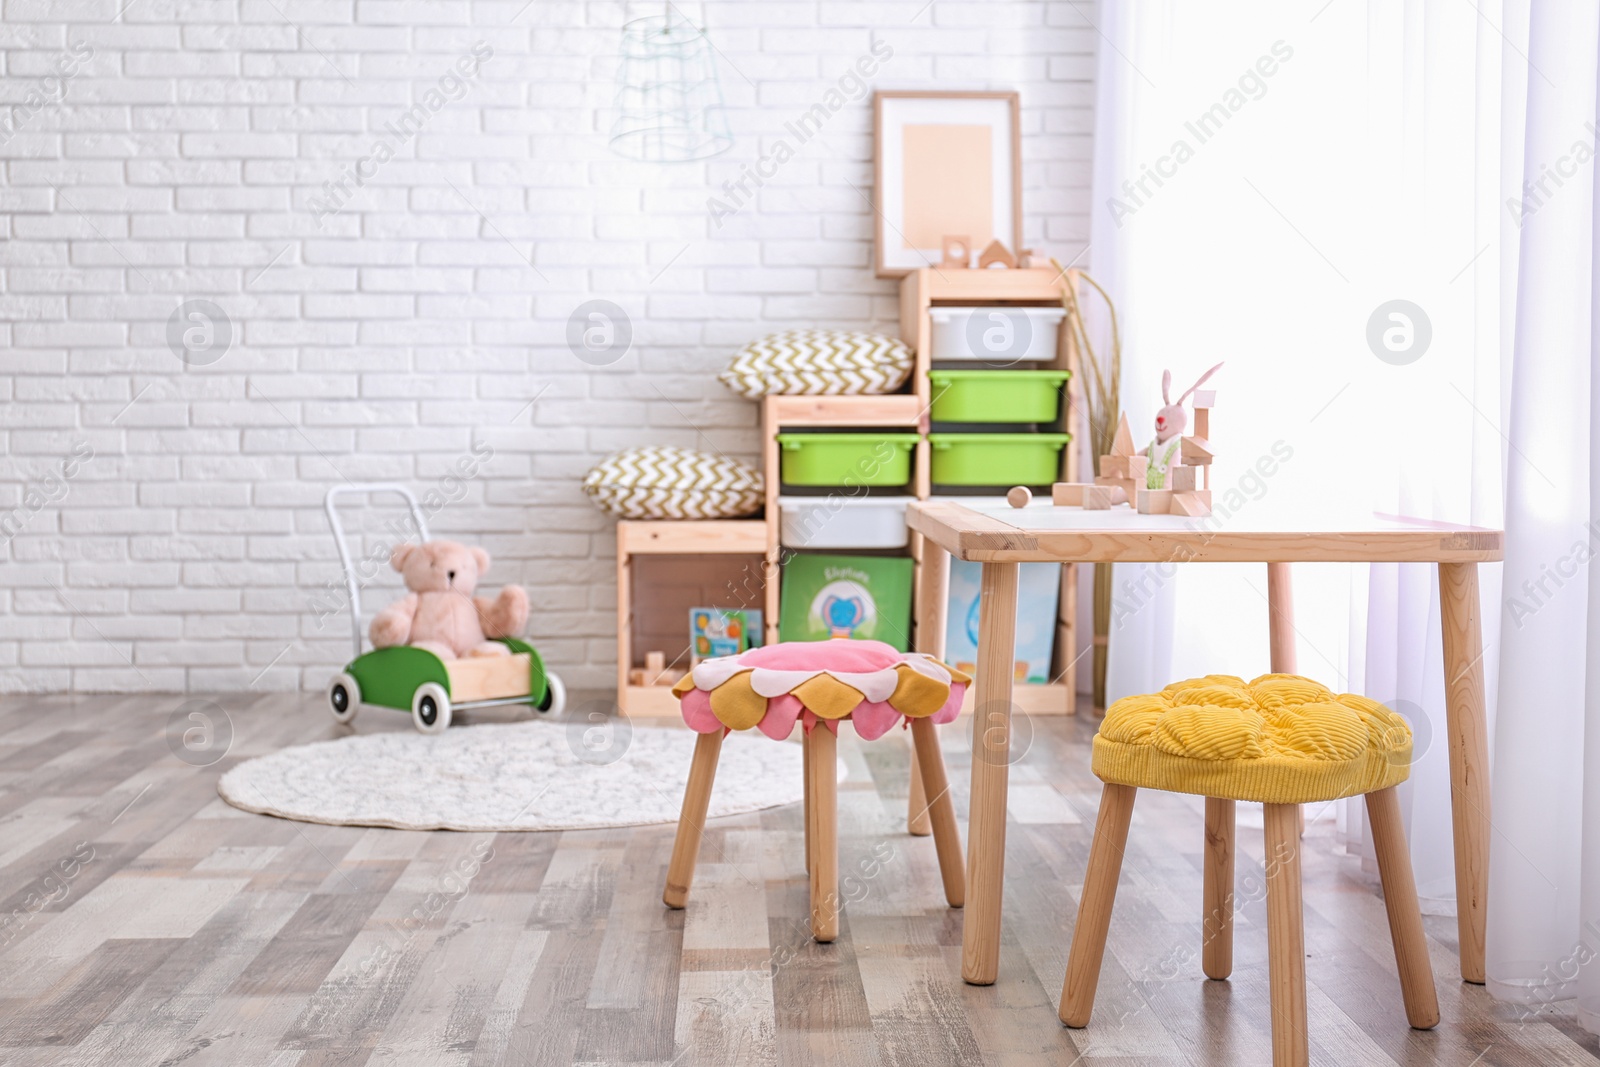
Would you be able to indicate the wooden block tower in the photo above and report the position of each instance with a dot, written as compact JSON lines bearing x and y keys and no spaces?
{"x":1124,"y":474}
{"x":1124,"y":470}
{"x":1188,"y":485}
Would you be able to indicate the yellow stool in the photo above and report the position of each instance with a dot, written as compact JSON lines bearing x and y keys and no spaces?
{"x":1282,"y":741}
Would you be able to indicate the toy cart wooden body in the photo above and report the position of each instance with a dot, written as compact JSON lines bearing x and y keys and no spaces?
{"x":413,"y":679}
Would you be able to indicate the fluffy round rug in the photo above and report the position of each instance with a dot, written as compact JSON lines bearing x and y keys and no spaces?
{"x":514,"y":776}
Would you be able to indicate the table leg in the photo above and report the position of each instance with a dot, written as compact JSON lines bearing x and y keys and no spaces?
{"x":1469,"y":757}
{"x":1280,"y":605}
{"x":933,"y":584}
{"x":991,"y":761}
{"x":1280,"y":635}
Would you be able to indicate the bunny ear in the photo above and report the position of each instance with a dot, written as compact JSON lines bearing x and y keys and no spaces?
{"x":1166,"y":387}
{"x":1201,"y":382}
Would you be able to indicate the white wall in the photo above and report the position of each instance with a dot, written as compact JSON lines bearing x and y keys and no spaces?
{"x":161,"y":521}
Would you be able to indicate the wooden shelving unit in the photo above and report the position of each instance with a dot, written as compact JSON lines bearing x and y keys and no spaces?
{"x":921,"y":291}
{"x":640,"y":542}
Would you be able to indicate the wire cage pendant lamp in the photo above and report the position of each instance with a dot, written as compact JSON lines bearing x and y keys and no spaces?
{"x":669,"y":101}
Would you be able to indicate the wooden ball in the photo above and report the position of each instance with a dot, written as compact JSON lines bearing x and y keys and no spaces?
{"x":1019,"y":496}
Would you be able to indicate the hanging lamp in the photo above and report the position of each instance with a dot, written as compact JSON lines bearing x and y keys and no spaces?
{"x":669,"y":102}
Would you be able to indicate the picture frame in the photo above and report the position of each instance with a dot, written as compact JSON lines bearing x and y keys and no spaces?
{"x":929,"y":177}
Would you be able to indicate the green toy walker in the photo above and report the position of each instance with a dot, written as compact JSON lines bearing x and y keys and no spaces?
{"x":413,"y":679}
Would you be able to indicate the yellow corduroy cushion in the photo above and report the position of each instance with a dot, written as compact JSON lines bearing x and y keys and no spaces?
{"x":1280,"y":739}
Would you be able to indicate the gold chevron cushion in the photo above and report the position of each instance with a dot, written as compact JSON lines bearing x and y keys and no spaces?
{"x":661,"y":482}
{"x":1280,"y":739}
{"x":819,"y":363}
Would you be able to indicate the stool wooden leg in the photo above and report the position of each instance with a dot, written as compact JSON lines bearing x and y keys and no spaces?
{"x":918,"y":824}
{"x":1216,"y":952}
{"x":1405,"y":915}
{"x":1286,"y":954}
{"x":942,"y":811}
{"x":805,"y":796}
{"x":692,"y":819}
{"x":1094,"y":907}
{"x":825,"y":833}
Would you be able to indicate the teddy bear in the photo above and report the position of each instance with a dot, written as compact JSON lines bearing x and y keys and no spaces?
{"x":441,"y":614}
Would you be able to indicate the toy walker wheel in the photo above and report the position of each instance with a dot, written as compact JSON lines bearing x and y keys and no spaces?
{"x":344,"y":697}
{"x":430,"y":708}
{"x":555,"y":696}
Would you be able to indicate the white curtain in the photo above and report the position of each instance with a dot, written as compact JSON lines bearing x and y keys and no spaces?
{"x":1544,"y":887}
{"x":1358,"y":155}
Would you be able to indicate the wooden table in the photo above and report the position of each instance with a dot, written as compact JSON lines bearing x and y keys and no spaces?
{"x":1000,"y":537}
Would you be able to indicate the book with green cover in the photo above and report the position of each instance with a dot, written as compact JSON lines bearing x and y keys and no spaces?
{"x":846,"y":596}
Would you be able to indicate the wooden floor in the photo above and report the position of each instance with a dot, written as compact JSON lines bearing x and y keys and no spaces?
{"x":143,"y":921}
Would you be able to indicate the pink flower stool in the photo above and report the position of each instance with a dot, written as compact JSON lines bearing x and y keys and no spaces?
{"x":819,"y":684}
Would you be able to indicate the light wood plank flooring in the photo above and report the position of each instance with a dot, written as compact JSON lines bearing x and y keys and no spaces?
{"x":143,"y":921}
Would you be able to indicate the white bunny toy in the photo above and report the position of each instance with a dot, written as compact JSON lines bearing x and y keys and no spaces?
{"x":1171,"y":421}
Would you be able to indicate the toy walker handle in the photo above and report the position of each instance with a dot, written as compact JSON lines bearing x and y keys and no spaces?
{"x":329,"y":505}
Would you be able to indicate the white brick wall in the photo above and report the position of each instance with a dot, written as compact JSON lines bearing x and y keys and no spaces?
{"x":184,"y":546}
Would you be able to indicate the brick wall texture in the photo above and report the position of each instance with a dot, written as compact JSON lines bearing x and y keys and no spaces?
{"x":257,"y":248}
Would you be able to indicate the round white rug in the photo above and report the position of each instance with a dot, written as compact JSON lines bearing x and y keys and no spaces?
{"x":513,"y":776}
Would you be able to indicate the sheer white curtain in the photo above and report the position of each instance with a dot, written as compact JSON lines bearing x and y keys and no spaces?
{"x":1544,"y":886}
{"x":1357,"y":155}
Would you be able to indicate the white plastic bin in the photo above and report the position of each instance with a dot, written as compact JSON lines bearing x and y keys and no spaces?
{"x":842,"y":522}
{"x":996,"y":335}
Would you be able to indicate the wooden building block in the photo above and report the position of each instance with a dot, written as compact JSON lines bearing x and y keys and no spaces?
{"x":1205,"y":399}
{"x":1067,"y":494}
{"x":1123,"y":445}
{"x":1202,"y":422}
{"x":1189,"y":504}
{"x":957,"y":252}
{"x":1196,"y":452}
{"x":996,"y":253}
{"x":636,"y":676}
{"x":1096,"y":497}
{"x":1154,"y":501}
{"x":1122,"y":489}
{"x":1019,"y":496}
{"x":1182,"y":479}
{"x":1134,"y":468}
{"x":1114,"y":467}
{"x":655,"y":663}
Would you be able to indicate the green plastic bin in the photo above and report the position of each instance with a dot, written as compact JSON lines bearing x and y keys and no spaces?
{"x":848,"y":459}
{"x":996,"y":395}
{"x":997,"y":458}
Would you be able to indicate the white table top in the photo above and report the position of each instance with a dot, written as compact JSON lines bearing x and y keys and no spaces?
{"x":1255,"y":532}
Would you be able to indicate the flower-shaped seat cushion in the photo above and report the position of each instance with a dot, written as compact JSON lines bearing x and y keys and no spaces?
{"x":1280,"y":739}
{"x":868,"y":682}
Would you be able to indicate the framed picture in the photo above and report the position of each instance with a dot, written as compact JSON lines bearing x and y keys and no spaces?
{"x":945,"y":164}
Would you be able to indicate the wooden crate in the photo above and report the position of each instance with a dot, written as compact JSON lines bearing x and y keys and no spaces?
{"x":664,"y":569}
